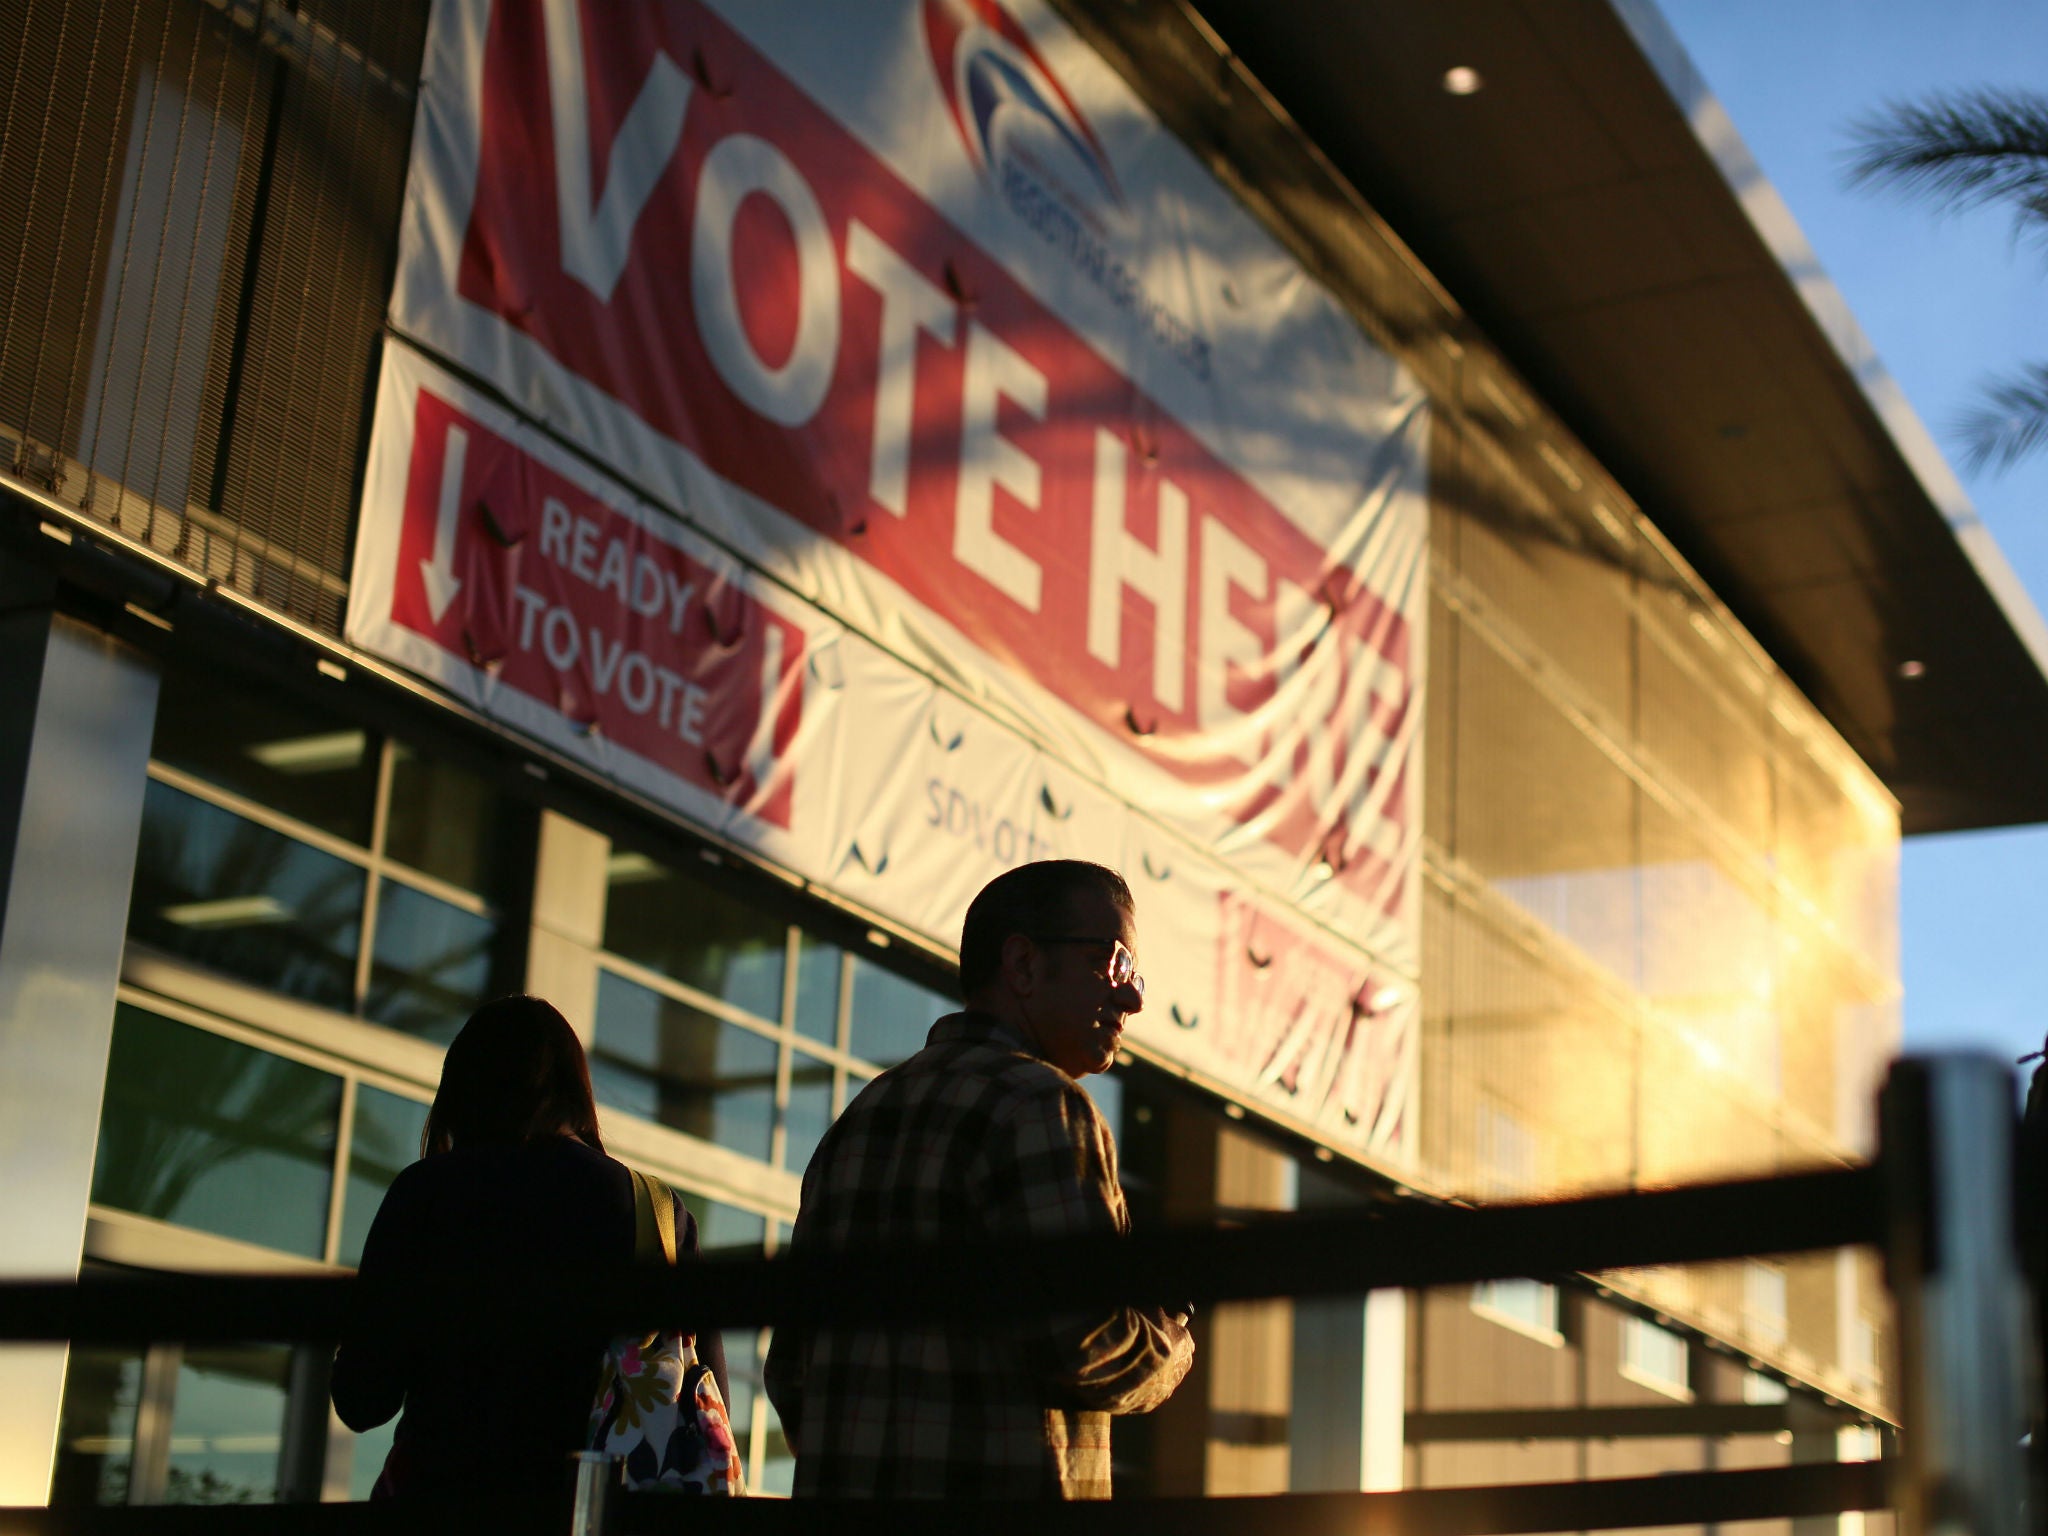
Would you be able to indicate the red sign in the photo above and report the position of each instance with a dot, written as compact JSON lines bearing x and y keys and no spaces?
{"x":582,"y":607}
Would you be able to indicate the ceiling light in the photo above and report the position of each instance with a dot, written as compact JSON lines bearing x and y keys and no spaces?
{"x":1912,"y":669}
{"x":311,"y":754}
{"x":1462,"y":80}
{"x":228,"y":912}
{"x":631,"y":869}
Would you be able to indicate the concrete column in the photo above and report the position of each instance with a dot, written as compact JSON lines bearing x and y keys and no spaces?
{"x":568,"y":919}
{"x":76,"y":711}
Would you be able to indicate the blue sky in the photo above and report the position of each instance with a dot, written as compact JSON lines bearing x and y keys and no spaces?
{"x":1944,"y":300}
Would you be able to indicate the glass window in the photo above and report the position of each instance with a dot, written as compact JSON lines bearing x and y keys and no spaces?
{"x":817,"y":989}
{"x":384,"y":1139}
{"x":722,"y":1226}
{"x":1527,"y":1306}
{"x":1656,"y":1357}
{"x":809,"y":1112}
{"x":1763,"y":1302}
{"x":855,"y":1081}
{"x":452,"y":825}
{"x":209,"y":1133}
{"x":671,"y":1063}
{"x":890,"y":1015}
{"x":226,"y":893}
{"x":1107,"y":1090}
{"x":430,"y":964}
{"x":1759,"y":1388}
{"x":311,"y":766}
{"x":774,"y":1470}
{"x":366,"y":1458}
{"x":227,"y":1430}
{"x":96,"y":1435}
{"x":672,"y":923}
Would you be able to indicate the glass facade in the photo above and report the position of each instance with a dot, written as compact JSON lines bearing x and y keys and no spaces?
{"x":1661,"y":897}
{"x":723,"y":1021}
{"x":315,"y":859}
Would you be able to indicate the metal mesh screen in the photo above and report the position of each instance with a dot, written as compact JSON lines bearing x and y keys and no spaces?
{"x":206,"y":199}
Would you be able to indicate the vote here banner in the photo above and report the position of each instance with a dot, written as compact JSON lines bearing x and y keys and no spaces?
{"x":914,"y":306}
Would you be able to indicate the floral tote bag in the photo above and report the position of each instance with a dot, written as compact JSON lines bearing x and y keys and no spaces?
{"x":657,"y":1406}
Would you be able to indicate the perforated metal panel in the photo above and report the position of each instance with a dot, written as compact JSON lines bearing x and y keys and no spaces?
{"x":206,"y":200}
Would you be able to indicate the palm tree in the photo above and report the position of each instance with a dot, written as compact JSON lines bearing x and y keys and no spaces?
{"x":1967,"y":149}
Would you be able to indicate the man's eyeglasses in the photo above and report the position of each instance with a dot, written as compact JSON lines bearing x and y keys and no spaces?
{"x":1123,"y":965}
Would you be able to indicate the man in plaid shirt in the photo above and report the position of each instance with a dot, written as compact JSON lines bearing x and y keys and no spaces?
{"x":985,"y":1134}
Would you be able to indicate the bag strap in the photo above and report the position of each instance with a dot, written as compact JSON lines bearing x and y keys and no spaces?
{"x":654,"y":1220}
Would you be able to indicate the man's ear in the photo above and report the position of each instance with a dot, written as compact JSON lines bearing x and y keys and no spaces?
{"x":1020,"y":965}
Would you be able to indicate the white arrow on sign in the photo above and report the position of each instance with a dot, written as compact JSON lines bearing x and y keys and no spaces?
{"x":439,"y":572}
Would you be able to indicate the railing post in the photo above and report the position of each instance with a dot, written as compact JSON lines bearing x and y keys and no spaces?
{"x":1948,"y":1127}
{"x":597,"y":1478}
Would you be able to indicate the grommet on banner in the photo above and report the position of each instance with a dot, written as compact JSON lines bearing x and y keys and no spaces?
{"x":946,"y":743}
{"x":859,"y":856}
{"x":1257,"y":959}
{"x":1156,"y":871}
{"x":722,"y":638}
{"x":1137,"y":726}
{"x":827,"y":667}
{"x":478,"y":657}
{"x":723,"y":777}
{"x":1045,"y":799}
{"x":956,"y":285}
{"x":700,"y":71}
{"x":1184,"y":1020}
{"x":495,"y":528}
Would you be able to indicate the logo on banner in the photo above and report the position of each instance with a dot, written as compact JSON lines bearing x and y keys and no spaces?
{"x":987,"y":66}
{"x":1023,"y":132}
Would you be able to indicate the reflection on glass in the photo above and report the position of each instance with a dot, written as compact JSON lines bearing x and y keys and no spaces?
{"x":227,"y":1430}
{"x":855,"y":1081}
{"x":670,"y":1063}
{"x":385,"y":1139}
{"x":810,"y":1110}
{"x":450,"y":824}
{"x":1107,"y":1090}
{"x":366,"y":1458}
{"x":890,"y":1016}
{"x":310,"y":766}
{"x":817,"y":989}
{"x":217,"y":1135}
{"x":722,"y":1226}
{"x":430,"y":964}
{"x":775,"y":1472}
{"x":704,"y":938}
{"x":96,"y":1434}
{"x":225,"y":893}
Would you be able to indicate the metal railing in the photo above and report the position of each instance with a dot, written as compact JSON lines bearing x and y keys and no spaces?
{"x":1938,"y":1201}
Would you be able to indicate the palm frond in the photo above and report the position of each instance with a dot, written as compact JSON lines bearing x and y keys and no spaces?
{"x":1959,"y":149}
{"x":2009,"y":421}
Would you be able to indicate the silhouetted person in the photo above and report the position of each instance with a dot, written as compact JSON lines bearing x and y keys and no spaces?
{"x":985,"y":1134}
{"x":512,"y":1176}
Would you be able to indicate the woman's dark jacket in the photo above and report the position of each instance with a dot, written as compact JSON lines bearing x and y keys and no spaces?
{"x":488,"y":1409}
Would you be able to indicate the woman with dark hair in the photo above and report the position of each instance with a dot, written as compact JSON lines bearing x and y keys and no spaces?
{"x":512,"y":1175}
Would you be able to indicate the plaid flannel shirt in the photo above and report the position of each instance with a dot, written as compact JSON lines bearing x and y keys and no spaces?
{"x":973,"y":1137}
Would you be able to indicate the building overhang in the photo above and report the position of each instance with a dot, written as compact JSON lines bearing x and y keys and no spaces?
{"x":1594,"y":212}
